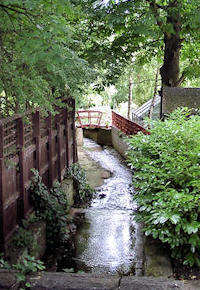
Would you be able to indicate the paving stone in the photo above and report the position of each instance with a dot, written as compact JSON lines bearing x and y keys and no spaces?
{"x":144,"y":283}
{"x":8,"y":280}
{"x":192,"y":285}
{"x":70,"y":281}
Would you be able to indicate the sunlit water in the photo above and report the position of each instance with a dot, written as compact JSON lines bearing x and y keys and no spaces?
{"x":105,"y":242}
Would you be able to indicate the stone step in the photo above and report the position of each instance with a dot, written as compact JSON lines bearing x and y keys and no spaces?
{"x":69,"y":281}
{"x":72,"y":281}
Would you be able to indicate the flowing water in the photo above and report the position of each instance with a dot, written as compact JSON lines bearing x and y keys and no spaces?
{"x":105,"y":242}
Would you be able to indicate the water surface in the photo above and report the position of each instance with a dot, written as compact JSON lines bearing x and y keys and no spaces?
{"x":105,"y":242}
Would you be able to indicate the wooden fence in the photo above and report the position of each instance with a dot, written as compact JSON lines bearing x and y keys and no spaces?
{"x":126,"y":126}
{"x":45,"y":143}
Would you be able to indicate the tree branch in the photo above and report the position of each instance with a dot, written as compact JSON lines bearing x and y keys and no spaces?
{"x":27,"y":14}
{"x":155,"y":7}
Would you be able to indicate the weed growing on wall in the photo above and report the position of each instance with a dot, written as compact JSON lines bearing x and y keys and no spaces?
{"x":51,"y":207}
{"x":166,"y":166}
{"x":84,"y":191}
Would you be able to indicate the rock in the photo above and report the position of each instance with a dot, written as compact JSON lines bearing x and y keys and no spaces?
{"x":71,"y":281}
{"x":102,"y":195}
{"x":106,"y":174}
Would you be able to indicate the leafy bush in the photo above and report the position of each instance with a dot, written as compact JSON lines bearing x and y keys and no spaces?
{"x":84,"y":191}
{"x":51,"y":207}
{"x":27,"y":265}
{"x":166,"y":177}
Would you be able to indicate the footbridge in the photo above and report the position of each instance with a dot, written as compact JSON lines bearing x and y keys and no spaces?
{"x":93,"y":119}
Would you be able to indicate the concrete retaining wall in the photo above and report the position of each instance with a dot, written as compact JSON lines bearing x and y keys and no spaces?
{"x":101,"y":136}
{"x":118,"y":142}
{"x":109,"y":137}
{"x":180,"y":97}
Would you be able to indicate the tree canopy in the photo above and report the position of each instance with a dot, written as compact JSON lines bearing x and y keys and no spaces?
{"x":168,"y":29}
{"x":38,"y":65}
{"x":50,"y":49}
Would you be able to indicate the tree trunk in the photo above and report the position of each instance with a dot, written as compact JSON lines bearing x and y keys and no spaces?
{"x":172,"y":46}
{"x":170,"y":69}
{"x":130,"y":96}
{"x":154,"y":95}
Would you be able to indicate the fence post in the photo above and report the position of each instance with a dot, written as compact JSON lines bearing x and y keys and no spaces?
{"x":67,"y":137}
{"x":2,"y":188}
{"x":59,"y":148}
{"x":74,"y":132}
{"x":36,"y":134}
{"x":50,"y":153}
{"x":20,"y":147}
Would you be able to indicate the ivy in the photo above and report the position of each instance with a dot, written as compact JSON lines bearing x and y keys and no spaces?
{"x":52,"y":207}
{"x":166,"y":166}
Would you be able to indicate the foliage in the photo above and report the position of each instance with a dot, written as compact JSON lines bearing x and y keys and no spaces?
{"x":27,"y":265}
{"x":166,"y":176}
{"x":37,"y":55}
{"x":143,"y":76}
{"x":22,"y":238}
{"x":84,"y":191}
{"x":52,"y":207}
{"x":3,"y":263}
{"x":116,"y":30}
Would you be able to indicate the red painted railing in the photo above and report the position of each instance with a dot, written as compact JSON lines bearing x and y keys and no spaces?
{"x":89,"y":118}
{"x":126,"y":126}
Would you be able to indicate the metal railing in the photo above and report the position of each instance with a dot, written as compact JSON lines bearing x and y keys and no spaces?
{"x":127,"y":126}
{"x":89,"y":118}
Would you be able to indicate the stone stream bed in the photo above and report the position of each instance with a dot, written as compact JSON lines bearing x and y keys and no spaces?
{"x":105,"y":241}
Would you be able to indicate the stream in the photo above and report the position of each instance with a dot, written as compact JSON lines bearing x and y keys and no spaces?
{"x":105,"y":241}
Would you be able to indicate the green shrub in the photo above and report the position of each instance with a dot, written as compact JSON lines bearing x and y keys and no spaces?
{"x":166,"y":167}
{"x":27,"y":265}
{"x":84,"y":191}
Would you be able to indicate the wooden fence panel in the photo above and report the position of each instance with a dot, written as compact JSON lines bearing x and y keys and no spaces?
{"x":47,"y":144}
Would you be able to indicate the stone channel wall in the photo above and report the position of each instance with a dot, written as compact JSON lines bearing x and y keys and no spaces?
{"x":104,"y":136}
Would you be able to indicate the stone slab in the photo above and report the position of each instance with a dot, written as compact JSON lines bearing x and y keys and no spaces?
{"x":70,"y":281}
{"x":8,"y":280}
{"x":94,"y":172}
{"x":192,"y":285}
{"x":79,"y":136}
{"x":68,"y":187}
{"x":157,"y":261}
{"x":144,"y":283}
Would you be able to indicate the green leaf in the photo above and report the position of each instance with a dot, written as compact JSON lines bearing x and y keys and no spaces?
{"x":175,"y":219}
